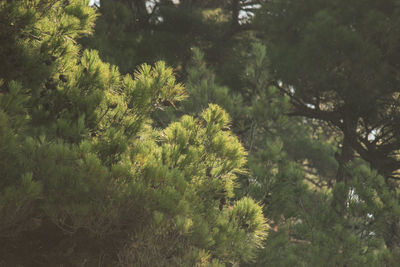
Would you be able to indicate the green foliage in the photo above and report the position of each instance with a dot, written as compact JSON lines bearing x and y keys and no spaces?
{"x":292,"y":170}
{"x":86,"y":179}
{"x":246,"y":216}
{"x":290,"y":166}
{"x":203,"y":89}
{"x":327,"y":60}
{"x":348,"y":74}
{"x":151,"y":174}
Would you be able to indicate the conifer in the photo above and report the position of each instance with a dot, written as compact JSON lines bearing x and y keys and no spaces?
{"x":85,"y":177}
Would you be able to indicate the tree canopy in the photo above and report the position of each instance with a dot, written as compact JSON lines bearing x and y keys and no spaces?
{"x":200,"y":133}
{"x":87,"y":179}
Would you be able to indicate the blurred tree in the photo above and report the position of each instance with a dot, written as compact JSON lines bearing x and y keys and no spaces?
{"x":338,"y":62}
{"x":349,"y":72}
{"x":168,"y":30}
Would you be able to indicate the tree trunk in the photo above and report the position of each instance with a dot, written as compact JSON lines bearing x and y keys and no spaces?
{"x":347,"y":155}
{"x":235,"y":13}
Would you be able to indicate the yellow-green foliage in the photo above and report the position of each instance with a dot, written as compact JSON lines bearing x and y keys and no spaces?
{"x":83,"y":170}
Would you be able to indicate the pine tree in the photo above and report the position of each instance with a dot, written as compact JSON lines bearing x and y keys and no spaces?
{"x":86,"y":179}
{"x":336,"y":62}
{"x":317,"y":111}
{"x":128,"y":34}
{"x":291,"y":165}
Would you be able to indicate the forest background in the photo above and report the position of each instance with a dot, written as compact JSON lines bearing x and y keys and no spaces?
{"x":200,"y":133}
